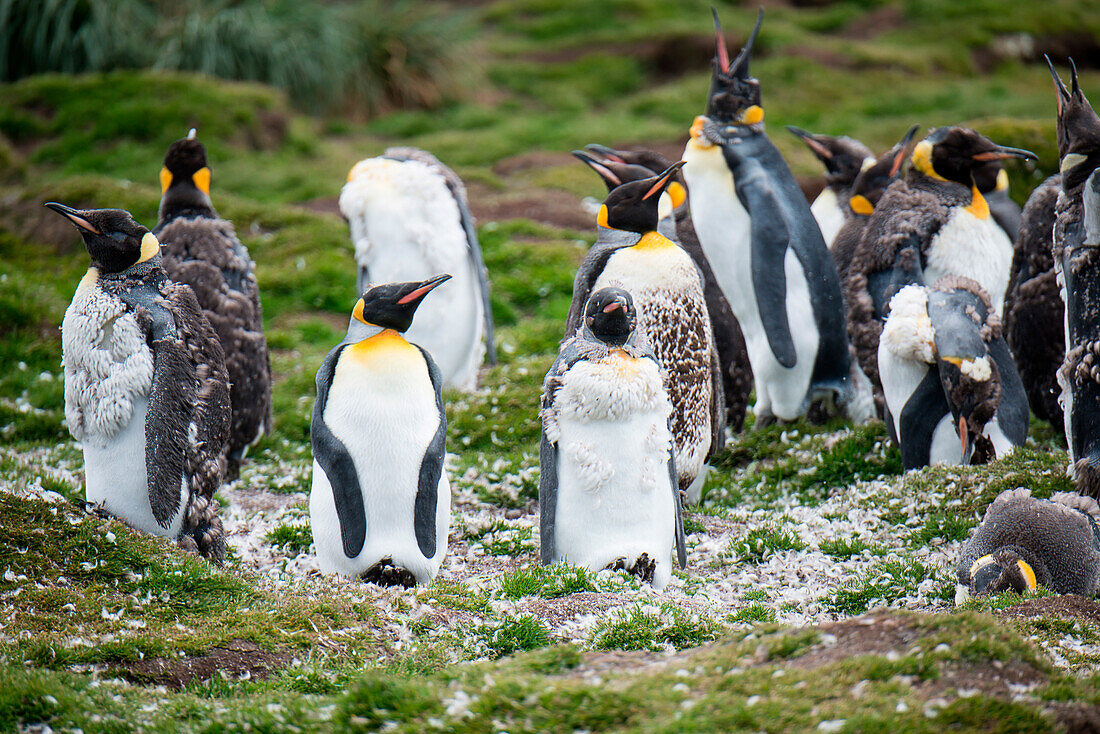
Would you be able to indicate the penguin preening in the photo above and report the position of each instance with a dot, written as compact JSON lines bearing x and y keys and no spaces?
{"x":1077,"y":264}
{"x":765,"y":247}
{"x":844,"y":158}
{"x":202,"y":250}
{"x":380,"y":505}
{"x":931,"y":223}
{"x":672,"y":314}
{"x":608,"y":489}
{"x":620,"y":166}
{"x":952,"y":392}
{"x":146,"y":391}
{"x":1024,"y":542}
{"x":409,"y":218}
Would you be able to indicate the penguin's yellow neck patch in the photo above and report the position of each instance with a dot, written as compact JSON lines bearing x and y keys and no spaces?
{"x":696,"y":133}
{"x":922,"y":160}
{"x":623,"y":363}
{"x":165,"y":179}
{"x":752,"y":115}
{"x":601,"y":218}
{"x":201,"y":178}
{"x":89,"y":280}
{"x":861,"y":205}
{"x":150,"y":247}
{"x":654,"y":241}
{"x":1028,"y":574}
{"x":386,"y":345}
{"x":1002,"y":180}
{"x":979,"y":207}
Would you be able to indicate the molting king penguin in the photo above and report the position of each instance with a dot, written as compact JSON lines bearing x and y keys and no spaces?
{"x":409,"y":218}
{"x":672,"y":315}
{"x":380,"y":506}
{"x":952,"y":392}
{"x":931,"y":223}
{"x":844,"y":158}
{"x":765,"y":247}
{"x":146,"y":391}
{"x":616,"y":167}
{"x":203,"y":251}
{"x":608,"y":487}
{"x":1077,"y":264}
{"x":1024,"y":542}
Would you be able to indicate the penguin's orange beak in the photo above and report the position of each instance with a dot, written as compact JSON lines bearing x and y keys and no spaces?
{"x":612,"y":306}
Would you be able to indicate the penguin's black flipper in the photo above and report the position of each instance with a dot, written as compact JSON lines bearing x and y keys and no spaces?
{"x":548,"y":498}
{"x":919,"y":418}
{"x":431,"y":469}
{"x":1006,"y":213}
{"x":681,"y":543}
{"x":717,"y":406}
{"x":1013,"y":411}
{"x":474,"y":250}
{"x":907,"y":270}
{"x":334,"y":459}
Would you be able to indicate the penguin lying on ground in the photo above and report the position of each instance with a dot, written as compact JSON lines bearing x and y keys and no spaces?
{"x":616,"y":167}
{"x":380,"y":506}
{"x":844,"y":158}
{"x":608,"y":489}
{"x":409,"y":218}
{"x":756,"y":229}
{"x":1077,"y":264}
{"x":203,"y":251}
{"x":146,"y":391}
{"x":672,"y":315}
{"x":952,"y":392}
{"x":1024,"y":542}
{"x":932,"y":223}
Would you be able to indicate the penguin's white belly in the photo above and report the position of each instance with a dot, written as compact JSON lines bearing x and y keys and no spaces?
{"x":830,"y":217}
{"x":946,"y":444}
{"x":615,"y":497}
{"x":976,"y":248}
{"x":382,"y":407}
{"x":900,"y":378}
{"x":1002,"y":445}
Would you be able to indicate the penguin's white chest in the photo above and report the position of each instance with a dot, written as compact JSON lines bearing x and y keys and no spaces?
{"x":830,"y":217}
{"x":973,"y":247}
{"x":615,"y":496}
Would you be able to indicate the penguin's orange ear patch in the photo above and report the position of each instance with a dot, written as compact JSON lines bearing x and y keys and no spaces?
{"x":677,"y":193}
{"x":357,"y":312}
{"x":601,"y":218}
{"x":165,"y":179}
{"x":861,"y":205}
{"x":150,"y":247}
{"x":1028,"y":574}
{"x":753,"y":115}
{"x":201,"y":178}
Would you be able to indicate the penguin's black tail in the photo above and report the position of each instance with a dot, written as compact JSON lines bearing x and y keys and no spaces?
{"x":385,"y":573}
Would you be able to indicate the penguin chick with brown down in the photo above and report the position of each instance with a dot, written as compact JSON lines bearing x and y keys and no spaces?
{"x":202,"y":250}
{"x":932,"y":223}
{"x":1024,"y":542}
{"x":617,"y":167}
{"x":843,"y":158}
{"x":146,"y":391}
{"x":672,"y":315}
{"x":1077,"y":264}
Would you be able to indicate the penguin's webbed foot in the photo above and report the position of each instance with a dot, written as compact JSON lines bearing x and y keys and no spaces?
{"x":384,"y":573}
{"x":95,"y":508}
{"x":202,"y":532}
{"x":763,"y":421}
{"x":643,"y":567}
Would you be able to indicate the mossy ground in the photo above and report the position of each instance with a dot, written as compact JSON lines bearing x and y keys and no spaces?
{"x":802,"y":526}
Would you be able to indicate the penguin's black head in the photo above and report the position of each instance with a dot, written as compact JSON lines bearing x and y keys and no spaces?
{"x":1078,"y":131}
{"x":610,"y":316}
{"x":952,"y":154}
{"x":872,"y":181}
{"x":113,"y":239}
{"x":650,"y":159}
{"x":734,"y":97}
{"x":843,"y":156}
{"x":632,"y":207}
{"x":185,"y":179}
{"x":629,"y":163}
{"x":613,"y":172}
{"x":392,"y":305}
{"x":1003,"y":570}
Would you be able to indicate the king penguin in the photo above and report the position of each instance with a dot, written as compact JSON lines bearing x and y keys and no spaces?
{"x":146,"y":391}
{"x":768,"y":256}
{"x":380,"y":507}
{"x":622,"y":166}
{"x":202,"y":250}
{"x":672,"y":315}
{"x":409,"y":218}
{"x":1077,"y":264}
{"x":608,"y":488}
{"x":933,"y":222}
{"x":843,"y":158}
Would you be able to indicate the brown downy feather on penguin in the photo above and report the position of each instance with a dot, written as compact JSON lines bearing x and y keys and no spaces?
{"x":203,"y":251}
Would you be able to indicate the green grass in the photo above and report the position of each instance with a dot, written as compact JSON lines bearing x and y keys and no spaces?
{"x":548,"y":582}
{"x":887,"y":581}
{"x":848,"y":547}
{"x":655,"y":629}
{"x":761,"y":542}
{"x":292,"y":538}
{"x":512,"y":635}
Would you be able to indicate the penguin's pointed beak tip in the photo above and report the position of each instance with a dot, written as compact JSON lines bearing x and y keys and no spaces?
{"x":423,"y":289}
{"x":73,"y":215}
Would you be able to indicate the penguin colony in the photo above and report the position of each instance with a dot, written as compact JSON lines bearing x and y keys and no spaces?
{"x":710,"y":277}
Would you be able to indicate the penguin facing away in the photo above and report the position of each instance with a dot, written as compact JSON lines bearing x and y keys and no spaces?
{"x":843,"y":158}
{"x":672,"y":315}
{"x":409,"y":218}
{"x":953,"y":395}
{"x":1024,"y":542}
{"x":608,"y":488}
{"x":380,"y":503}
{"x":773,"y":268}
{"x":146,"y":391}
{"x":1077,"y":264}
{"x":203,"y":251}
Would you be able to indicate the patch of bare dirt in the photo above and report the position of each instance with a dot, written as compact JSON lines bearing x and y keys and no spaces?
{"x":1080,"y":45}
{"x":30,"y":220}
{"x":1067,"y":605}
{"x":548,"y":206}
{"x":324,"y":205}
{"x":874,"y":24}
{"x":238,"y":659}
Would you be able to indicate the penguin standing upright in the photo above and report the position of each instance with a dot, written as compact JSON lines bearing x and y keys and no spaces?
{"x":380,"y":506}
{"x":952,"y":392}
{"x":621,"y":166}
{"x":146,"y":391}
{"x":608,"y":491}
{"x":844,"y":158}
{"x":756,"y":229}
{"x":203,"y":251}
{"x":672,"y":315}
{"x":932,"y":223}
{"x":992,"y":182}
{"x":409,"y":218}
{"x":1077,"y":263}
